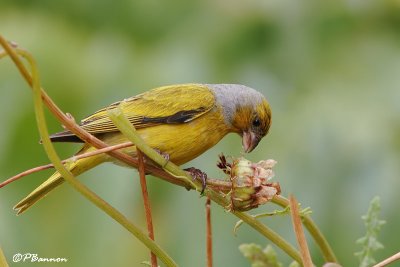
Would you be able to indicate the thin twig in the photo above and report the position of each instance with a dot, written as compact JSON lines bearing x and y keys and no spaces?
{"x":25,"y":173}
{"x":209,"y":233}
{"x":389,"y":260}
{"x":298,"y":229}
{"x":80,"y":156}
{"x":146,"y":203}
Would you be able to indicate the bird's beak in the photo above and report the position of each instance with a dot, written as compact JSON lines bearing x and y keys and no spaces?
{"x":249,"y":141}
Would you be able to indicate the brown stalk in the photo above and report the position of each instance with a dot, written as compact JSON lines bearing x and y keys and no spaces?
{"x":209,"y":233}
{"x":298,"y":229}
{"x":389,"y":260}
{"x":26,"y":173}
{"x":146,"y":203}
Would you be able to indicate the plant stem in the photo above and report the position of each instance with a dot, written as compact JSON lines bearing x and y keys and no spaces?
{"x":3,"y":261}
{"x":209,"y":233}
{"x":389,"y":260}
{"x":314,"y":231}
{"x":146,"y":204}
{"x":298,"y":229}
{"x":76,"y":157}
{"x":270,"y":234}
{"x":259,"y":226}
{"x":85,"y":191}
{"x":67,"y":175}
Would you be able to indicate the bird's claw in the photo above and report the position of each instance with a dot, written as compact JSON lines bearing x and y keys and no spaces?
{"x":198,"y":175}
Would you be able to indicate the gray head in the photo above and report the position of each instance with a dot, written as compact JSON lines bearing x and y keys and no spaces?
{"x":245,"y":110}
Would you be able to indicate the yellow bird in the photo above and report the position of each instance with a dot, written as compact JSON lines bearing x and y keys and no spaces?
{"x":182,"y":121}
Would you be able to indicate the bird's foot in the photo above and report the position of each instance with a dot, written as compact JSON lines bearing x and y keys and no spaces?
{"x":198,"y":175}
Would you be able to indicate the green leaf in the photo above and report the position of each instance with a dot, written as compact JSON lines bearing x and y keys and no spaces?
{"x":294,"y":264}
{"x":370,"y":242}
{"x":259,"y":257}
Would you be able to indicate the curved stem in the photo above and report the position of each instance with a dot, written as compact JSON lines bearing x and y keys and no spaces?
{"x":67,"y":175}
{"x":314,"y":231}
{"x":260,"y":227}
{"x":270,"y":234}
{"x":3,"y":261}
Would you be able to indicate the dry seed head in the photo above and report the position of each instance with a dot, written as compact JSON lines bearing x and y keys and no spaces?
{"x":250,"y":186}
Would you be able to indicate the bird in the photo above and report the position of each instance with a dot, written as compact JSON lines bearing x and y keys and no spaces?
{"x":181,"y":121}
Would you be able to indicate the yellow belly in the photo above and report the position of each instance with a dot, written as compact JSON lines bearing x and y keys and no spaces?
{"x":182,"y":142}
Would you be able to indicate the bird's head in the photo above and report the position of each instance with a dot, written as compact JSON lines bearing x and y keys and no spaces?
{"x":252,"y":123}
{"x":246,"y":111}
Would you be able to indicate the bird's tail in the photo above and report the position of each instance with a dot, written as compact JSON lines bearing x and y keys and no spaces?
{"x":76,"y":168}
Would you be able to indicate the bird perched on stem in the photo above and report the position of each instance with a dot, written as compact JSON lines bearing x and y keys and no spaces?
{"x":181,"y":121}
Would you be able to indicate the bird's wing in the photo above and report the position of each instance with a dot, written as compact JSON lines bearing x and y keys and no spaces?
{"x":165,"y":105}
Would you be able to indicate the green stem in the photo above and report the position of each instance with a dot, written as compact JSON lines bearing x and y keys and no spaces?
{"x":3,"y":261}
{"x":260,"y":227}
{"x":85,"y":191}
{"x":270,"y":234}
{"x":314,"y":231}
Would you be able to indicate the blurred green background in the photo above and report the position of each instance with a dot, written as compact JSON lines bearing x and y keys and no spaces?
{"x":330,"y":69}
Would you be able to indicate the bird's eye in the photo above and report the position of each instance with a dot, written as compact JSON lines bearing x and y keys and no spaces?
{"x":256,"y":122}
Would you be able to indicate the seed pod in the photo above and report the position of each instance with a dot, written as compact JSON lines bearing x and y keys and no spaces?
{"x":250,"y":186}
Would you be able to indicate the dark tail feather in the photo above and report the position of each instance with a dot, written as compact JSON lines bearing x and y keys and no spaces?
{"x":65,"y":136}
